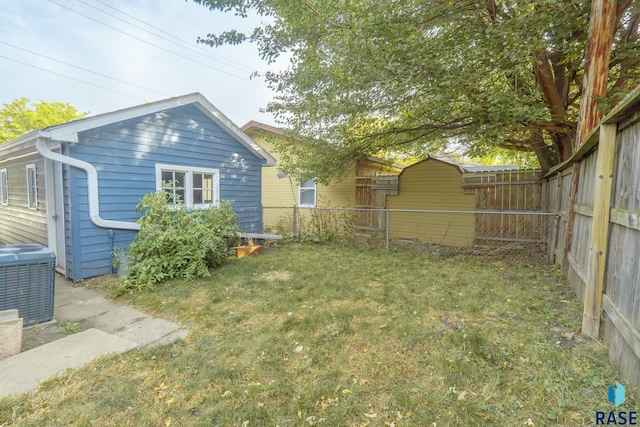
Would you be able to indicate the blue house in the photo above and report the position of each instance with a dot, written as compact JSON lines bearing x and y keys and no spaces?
{"x":74,"y":187}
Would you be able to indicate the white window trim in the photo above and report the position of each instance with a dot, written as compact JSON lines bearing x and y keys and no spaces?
{"x":32,"y":204}
{"x":315,"y":194}
{"x":4,"y":186}
{"x":188,"y":193}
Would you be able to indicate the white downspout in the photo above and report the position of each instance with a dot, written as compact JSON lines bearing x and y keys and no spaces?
{"x":92,"y":187}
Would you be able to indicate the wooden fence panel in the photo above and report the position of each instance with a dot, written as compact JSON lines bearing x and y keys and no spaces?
{"x":623,"y":278}
{"x":371,"y":192}
{"x":507,"y":191}
{"x":620,"y":322}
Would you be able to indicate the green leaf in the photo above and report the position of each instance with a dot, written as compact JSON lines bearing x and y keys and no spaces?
{"x":410,"y":78}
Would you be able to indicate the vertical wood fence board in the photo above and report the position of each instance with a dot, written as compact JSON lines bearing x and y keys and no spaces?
{"x":581,"y":240}
{"x":576,"y":276}
{"x":634,"y":292}
{"x":573,"y":194}
{"x":627,"y":175}
{"x":616,"y":345}
{"x":628,"y":283}
{"x":566,"y":189}
{"x":599,"y":231}
{"x":614,"y":263}
{"x":586,"y":188}
{"x":630,"y":139}
{"x":565,"y":194}
{"x":553,"y":190}
{"x":609,"y":338}
{"x":629,"y":335}
{"x":623,"y":183}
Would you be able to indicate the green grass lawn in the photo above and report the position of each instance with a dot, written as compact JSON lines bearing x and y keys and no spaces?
{"x":311,"y":334}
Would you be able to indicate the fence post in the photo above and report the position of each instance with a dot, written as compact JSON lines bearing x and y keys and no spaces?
{"x":599,"y":231}
{"x":295,"y":220}
{"x":386,"y":229}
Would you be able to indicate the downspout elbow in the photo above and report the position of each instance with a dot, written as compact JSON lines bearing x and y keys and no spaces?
{"x":92,"y":187}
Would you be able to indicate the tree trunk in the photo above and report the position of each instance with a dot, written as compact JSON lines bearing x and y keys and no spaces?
{"x":543,"y":153}
{"x":596,"y":71}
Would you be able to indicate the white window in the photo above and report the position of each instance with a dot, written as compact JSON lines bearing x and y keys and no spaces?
{"x":307,"y":194}
{"x":32,"y":187}
{"x":195,"y":187}
{"x":4,"y":184}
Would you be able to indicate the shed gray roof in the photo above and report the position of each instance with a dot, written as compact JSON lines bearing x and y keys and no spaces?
{"x":482,"y":168}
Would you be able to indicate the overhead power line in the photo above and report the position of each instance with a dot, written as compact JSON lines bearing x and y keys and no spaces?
{"x":83,"y":69}
{"x":152,"y":44}
{"x":106,"y":88}
{"x":69,"y":77}
{"x":103,"y":87}
{"x":184,"y":43}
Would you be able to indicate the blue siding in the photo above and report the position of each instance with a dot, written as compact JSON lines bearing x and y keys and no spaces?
{"x":68,"y":221}
{"x":125,"y":155}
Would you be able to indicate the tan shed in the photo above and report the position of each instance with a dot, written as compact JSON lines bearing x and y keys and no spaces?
{"x":432,"y":185}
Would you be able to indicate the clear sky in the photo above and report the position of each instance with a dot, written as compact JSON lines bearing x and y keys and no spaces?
{"x":72,"y":51}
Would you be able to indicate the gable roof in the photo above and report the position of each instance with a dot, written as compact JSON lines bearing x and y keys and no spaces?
{"x":68,"y":132}
{"x":251,"y":125}
{"x":443,"y":161}
{"x":254,"y":125}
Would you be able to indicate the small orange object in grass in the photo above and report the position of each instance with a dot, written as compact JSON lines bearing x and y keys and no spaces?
{"x":250,"y":248}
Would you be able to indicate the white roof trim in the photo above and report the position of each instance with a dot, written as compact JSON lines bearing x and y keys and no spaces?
{"x":68,"y":132}
{"x":216,"y":115}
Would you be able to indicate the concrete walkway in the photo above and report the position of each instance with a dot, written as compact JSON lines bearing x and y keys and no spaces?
{"x":104,"y":327}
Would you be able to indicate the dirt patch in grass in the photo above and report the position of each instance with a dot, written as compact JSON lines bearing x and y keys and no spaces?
{"x":275,"y":275}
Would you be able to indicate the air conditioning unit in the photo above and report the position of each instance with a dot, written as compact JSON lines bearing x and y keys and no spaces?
{"x":27,"y":281}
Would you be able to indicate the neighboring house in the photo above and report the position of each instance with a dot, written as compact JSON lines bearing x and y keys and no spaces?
{"x":281,"y":190}
{"x":74,"y":187}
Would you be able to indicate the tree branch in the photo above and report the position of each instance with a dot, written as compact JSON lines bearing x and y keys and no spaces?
{"x":544,"y":77}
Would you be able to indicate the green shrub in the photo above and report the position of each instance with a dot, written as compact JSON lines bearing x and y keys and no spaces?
{"x":176,"y":242}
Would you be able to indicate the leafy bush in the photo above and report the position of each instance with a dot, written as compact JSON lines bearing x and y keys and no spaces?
{"x":177,"y":242}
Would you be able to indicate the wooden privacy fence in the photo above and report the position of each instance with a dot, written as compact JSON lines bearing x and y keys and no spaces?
{"x":513,"y":191}
{"x":507,"y":191}
{"x":371,"y":193}
{"x":596,"y":235}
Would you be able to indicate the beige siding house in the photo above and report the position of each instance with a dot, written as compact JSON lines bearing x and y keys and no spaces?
{"x":279,"y":190}
{"x":432,"y":185}
{"x":23,"y":210}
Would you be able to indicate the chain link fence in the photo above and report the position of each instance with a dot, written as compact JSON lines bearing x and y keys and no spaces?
{"x":496,"y":233}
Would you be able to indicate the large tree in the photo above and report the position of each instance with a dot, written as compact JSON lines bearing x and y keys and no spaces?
{"x":21,"y":116}
{"x":413,"y":75}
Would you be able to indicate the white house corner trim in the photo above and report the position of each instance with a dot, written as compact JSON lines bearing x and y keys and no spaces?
{"x":50,"y":203}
